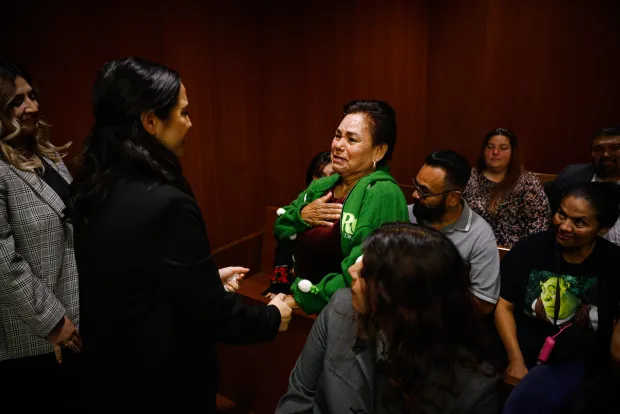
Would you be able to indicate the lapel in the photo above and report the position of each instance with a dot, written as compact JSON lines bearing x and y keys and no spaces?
{"x":62,"y":170}
{"x":42,"y":190}
{"x":364,"y":357}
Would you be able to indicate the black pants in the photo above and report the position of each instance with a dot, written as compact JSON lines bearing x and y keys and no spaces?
{"x":39,"y":384}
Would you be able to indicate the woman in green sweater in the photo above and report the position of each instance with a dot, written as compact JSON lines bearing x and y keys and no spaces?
{"x":326,"y":225}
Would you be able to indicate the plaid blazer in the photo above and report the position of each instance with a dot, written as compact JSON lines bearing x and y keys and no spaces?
{"x":38,"y":276}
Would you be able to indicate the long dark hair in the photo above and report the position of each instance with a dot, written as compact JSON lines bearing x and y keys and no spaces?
{"x":118,"y":146}
{"x":418,"y":288}
{"x":515,"y":168}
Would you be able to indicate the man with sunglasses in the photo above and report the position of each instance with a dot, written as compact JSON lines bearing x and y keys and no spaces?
{"x":438,"y":203}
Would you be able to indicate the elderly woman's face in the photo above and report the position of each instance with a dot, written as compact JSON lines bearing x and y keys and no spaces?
{"x":352,"y":150}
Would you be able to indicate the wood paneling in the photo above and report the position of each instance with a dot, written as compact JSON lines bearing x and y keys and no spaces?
{"x":319,"y":56}
{"x":267,"y":80}
{"x":543,"y":69}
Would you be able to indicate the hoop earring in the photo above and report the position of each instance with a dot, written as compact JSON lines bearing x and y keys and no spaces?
{"x":374,"y":165}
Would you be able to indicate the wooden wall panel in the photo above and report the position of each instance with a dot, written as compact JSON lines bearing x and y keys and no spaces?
{"x":267,"y":80}
{"x":326,"y":55}
{"x":542,"y":69}
{"x":216,"y":49}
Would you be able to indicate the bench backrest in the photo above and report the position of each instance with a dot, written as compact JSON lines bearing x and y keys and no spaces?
{"x":269,"y":241}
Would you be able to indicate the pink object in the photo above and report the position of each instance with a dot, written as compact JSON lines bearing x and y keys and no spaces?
{"x":545,"y":351}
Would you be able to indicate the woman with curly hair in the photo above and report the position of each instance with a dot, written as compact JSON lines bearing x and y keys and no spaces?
{"x":404,"y":337}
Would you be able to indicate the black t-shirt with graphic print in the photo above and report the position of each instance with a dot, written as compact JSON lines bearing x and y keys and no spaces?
{"x":536,"y":280}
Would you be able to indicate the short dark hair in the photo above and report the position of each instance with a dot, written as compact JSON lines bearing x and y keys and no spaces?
{"x":383,"y":123}
{"x":603,"y":197}
{"x":319,"y":161}
{"x":606,"y":132}
{"x":456,"y":167}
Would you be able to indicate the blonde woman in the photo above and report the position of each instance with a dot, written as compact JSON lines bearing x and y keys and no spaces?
{"x":38,"y":276}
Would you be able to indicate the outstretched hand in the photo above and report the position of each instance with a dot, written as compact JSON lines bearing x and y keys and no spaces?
{"x":232,"y":277}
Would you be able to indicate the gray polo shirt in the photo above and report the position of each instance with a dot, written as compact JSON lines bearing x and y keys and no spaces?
{"x":475,"y":241}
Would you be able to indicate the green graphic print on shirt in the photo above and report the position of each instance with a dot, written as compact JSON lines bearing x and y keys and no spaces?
{"x":577,"y":299}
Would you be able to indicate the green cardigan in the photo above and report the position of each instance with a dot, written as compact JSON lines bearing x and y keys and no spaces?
{"x":376,"y":199}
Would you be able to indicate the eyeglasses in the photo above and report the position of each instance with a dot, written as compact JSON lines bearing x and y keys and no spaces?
{"x":423,"y":194}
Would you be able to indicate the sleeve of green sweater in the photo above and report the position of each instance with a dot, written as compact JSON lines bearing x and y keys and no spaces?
{"x":289,"y":221}
{"x":384,"y":203}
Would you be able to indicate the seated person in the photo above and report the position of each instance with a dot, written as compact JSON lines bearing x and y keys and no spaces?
{"x":330,"y":219}
{"x":509,"y":198}
{"x":438,"y":203}
{"x":561,"y":284}
{"x":403,"y":338}
{"x":320,"y":167}
{"x":605,"y":167}
{"x":283,"y":266}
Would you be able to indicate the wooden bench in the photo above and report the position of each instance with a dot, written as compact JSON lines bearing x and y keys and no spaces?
{"x":545,"y":178}
{"x":225,"y":406}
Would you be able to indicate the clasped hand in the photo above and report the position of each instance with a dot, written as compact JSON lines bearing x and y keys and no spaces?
{"x":320,"y":212}
{"x":65,"y":335}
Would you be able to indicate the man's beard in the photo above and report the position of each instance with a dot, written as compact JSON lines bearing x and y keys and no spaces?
{"x":424,"y":213}
{"x":607,"y":170}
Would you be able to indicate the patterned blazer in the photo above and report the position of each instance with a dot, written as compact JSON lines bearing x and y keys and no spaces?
{"x":38,"y":276}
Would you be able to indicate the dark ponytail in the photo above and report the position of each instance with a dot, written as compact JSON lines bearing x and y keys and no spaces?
{"x":118,"y":146}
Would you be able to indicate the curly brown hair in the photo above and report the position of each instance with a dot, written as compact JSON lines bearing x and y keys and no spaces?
{"x":418,"y":288}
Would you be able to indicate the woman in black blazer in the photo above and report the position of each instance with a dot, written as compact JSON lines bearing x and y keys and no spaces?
{"x":152,"y":302}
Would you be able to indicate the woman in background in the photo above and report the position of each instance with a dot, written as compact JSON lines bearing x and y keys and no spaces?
{"x":509,"y":198}
{"x":320,"y":167}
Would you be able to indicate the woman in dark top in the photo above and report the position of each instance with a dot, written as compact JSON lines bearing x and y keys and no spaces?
{"x":152,"y":300}
{"x":561,"y":284}
{"x":38,"y":277}
{"x":403,"y":339}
